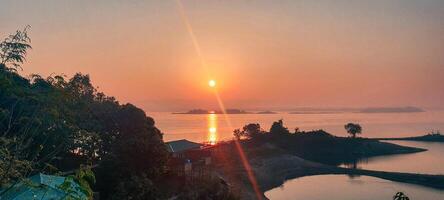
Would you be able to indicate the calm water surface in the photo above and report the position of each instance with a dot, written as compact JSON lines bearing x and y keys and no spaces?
{"x":213,"y":127}
{"x":428,"y":162}
{"x":204,"y":128}
{"x":342,"y":187}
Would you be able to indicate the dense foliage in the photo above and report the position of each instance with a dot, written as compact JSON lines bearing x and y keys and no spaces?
{"x":55,"y":124}
{"x":317,"y":145}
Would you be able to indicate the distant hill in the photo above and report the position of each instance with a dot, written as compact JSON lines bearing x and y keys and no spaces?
{"x":202,"y":111}
{"x":194,"y":111}
{"x":266,"y":112}
{"x":316,"y":112}
{"x":408,"y":109}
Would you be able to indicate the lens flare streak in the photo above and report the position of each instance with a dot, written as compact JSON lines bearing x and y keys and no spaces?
{"x":241,"y":152}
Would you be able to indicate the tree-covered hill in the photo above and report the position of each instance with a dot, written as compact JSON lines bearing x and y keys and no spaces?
{"x":52,"y":124}
{"x":56,"y":124}
{"x":60,"y":125}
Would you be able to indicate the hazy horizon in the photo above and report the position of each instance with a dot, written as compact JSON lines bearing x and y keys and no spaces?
{"x":302,"y":108}
{"x":263,"y":54}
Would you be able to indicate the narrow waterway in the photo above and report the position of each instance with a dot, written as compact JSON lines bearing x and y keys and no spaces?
{"x":427,"y":162}
{"x":343,"y":187}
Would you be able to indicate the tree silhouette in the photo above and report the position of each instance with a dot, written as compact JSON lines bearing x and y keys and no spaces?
{"x":248,"y":131}
{"x":13,"y":49}
{"x":278,"y":128}
{"x":353,"y":129}
{"x":400,"y":196}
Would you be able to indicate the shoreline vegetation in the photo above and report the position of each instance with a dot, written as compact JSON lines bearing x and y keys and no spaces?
{"x":370,"y":110}
{"x":431,"y":137}
{"x":279,"y":155}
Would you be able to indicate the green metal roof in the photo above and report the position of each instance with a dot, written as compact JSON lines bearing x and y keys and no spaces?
{"x":43,"y":187}
{"x":181,"y":145}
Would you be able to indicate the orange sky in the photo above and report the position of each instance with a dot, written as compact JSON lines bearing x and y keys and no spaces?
{"x":264,"y":54}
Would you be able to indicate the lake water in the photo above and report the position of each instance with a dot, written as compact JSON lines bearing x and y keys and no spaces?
{"x":213,"y":127}
{"x":342,"y":187}
{"x":428,"y":162}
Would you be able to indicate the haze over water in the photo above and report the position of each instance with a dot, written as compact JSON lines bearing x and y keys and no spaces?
{"x":375,"y":125}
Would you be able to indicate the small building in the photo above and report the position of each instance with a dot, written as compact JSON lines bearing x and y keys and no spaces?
{"x":177,"y":148}
{"x":188,"y":158}
{"x":44,"y":187}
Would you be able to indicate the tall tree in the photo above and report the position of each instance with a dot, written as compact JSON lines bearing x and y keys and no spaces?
{"x":248,"y":131}
{"x":353,"y":129}
{"x":278,"y":128}
{"x":13,"y":49}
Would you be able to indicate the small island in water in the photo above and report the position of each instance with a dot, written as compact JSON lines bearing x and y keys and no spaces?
{"x":203,"y":111}
{"x":266,"y":112}
{"x":227,"y":111}
{"x":407,"y":109}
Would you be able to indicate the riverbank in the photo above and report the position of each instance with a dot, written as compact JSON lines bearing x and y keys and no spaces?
{"x":272,"y":166}
{"x":424,"y":138}
{"x":274,"y":172}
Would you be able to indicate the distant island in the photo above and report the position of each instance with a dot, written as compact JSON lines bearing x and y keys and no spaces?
{"x":203,"y":111}
{"x":408,"y":109}
{"x":228,"y":111}
{"x":266,"y":112}
{"x":315,"y":112}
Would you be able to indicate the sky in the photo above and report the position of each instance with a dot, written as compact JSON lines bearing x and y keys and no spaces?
{"x":159,"y":55}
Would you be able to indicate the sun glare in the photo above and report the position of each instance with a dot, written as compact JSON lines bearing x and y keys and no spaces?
{"x":212,"y":129}
{"x":212,"y":83}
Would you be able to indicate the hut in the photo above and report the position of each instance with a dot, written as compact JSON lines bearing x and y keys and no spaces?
{"x":188,"y":158}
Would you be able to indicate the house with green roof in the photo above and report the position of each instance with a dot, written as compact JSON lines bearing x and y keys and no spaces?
{"x":44,"y":187}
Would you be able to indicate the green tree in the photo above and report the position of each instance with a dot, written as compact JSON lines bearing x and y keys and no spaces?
{"x":34,"y":125}
{"x":85,"y":178}
{"x":353,"y":129}
{"x":136,"y":188}
{"x":278,"y":128}
{"x":400,"y":196}
{"x":55,"y":124}
{"x":248,"y":131}
{"x":13,"y":49}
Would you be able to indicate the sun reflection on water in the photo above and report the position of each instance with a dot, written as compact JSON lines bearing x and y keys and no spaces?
{"x":212,"y":129}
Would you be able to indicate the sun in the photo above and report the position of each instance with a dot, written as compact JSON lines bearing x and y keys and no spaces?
{"x":212,"y":83}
